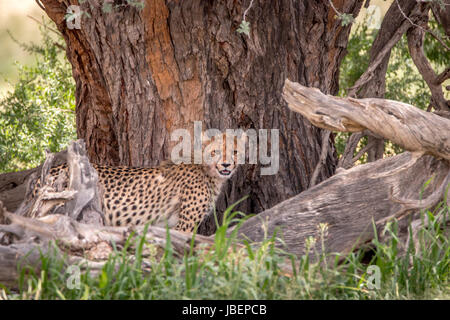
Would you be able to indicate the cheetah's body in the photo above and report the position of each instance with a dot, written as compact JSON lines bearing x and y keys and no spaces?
{"x":177,"y":195}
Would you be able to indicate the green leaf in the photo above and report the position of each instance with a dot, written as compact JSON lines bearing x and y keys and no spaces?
{"x":244,"y":27}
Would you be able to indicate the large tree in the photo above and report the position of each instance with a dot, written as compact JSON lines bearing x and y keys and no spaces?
{"x":140,"y":74}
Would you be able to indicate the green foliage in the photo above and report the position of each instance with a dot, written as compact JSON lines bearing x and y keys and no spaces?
{"x":345,"y":18}
{"x":258,"y":271}
{"x":244,"y":27}
{"x":39,"y":113}
{"x":356,"y":60}
{"x":403,"y":81}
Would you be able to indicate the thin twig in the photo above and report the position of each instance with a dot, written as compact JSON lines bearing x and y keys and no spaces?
{"x":246,"y":10}
{"x":334,"y":8}
{"x":420,"y":27}
{"x":45,"y":26}
{"x":38,"y":2}
{"x":323,"y":156}
{"x":363,"y":150}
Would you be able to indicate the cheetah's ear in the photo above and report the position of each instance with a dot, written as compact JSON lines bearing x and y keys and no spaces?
{"x":211,"y":136}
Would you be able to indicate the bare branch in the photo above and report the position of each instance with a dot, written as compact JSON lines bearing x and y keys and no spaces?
{"x":401,"y":123}
{"x":442,"y":15}
{"x":363,"y":150}
{"x":322,"y":158}
{"x":388,"y":43}
{"x":444,"y":75}
{"x":368,"y":74}
{"x":422,"y":28}
{"x":346,"y":160}
{"x":415,"y":44}
{"x":413,"y":204}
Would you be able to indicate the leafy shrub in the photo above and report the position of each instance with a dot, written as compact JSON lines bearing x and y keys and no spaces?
{"x":39,"y":113}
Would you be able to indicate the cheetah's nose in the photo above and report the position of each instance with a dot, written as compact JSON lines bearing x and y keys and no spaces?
{"x":225,"y":165}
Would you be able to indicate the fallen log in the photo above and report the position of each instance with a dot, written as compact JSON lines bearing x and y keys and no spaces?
{"x":13,"y":187}
{"x":87,"y":246}
{"x":353,"y":201}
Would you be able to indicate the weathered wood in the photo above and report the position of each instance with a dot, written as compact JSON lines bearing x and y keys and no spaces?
{"x":86,"y":245}
{"x":75,"y":192}
{"x":13,"y":188}
{"x":350,"y":202}
{"x":13,"y":185}
{"x":410,"y":127}
{"x":353,"y":201}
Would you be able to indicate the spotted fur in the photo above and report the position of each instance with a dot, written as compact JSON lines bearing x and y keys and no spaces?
{"x":179,"y":195}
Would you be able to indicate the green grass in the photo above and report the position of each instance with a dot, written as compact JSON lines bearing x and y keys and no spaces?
{"x":256,"y":271}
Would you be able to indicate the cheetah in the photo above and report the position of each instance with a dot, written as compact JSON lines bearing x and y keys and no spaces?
{"x":176,"y":195}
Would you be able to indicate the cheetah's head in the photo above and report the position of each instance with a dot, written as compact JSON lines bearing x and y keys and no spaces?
{"x":221,"y":156}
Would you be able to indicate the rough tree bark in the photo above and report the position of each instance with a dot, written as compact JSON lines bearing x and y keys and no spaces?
{"x":142,"y":74}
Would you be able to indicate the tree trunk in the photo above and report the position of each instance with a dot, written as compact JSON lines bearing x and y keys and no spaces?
{"x":142,"y":74}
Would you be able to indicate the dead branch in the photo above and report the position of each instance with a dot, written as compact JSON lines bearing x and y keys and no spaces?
{"x":13,"y":187}
{"x":322,"y":158}
{"x":86,"y":244}
{"x":423,"y":28}
{"x":349,"y":203}
{"x":346,"y":160}
{"x":413,"y":129}
{"x":381,"y":53}
{"x":415,"y":44}
{"x":442,"y":15}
